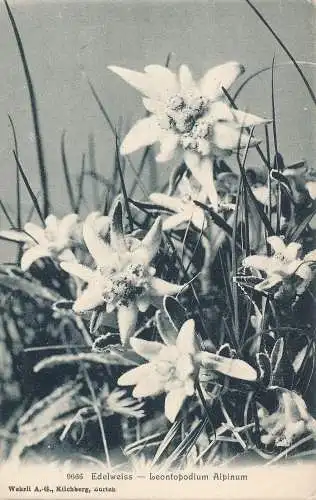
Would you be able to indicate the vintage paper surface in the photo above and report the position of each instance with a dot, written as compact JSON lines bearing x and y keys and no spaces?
{"x":158,"y":251}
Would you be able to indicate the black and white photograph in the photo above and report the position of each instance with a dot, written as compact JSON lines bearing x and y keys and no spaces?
{"x":157,"y":249}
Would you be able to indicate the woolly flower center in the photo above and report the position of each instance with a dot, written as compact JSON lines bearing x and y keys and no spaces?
{"x":173,"y":368}
{"x":282,"y":258}
{"x":184,"y":116}
{"x":124,"y":286}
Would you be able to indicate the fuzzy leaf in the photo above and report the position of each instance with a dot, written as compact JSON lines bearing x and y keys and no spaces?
{"x":175,"y":312}
{"x":166,"y":328}
{"x":112,"y":356}
{"x":216,"y":218}
{"x":299,"y":359}
{"x":150,"y":208}
{"x":60,"y":402}
{"x":276,"y":355}
{"x":264,"y":365}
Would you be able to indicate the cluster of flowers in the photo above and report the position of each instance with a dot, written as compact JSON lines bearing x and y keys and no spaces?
{"x":196,"y":126}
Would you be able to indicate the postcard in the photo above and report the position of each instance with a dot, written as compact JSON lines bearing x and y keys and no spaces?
{"x":158,"y":249}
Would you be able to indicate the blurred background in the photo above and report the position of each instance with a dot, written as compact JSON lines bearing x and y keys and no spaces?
{"x":67,"y":41}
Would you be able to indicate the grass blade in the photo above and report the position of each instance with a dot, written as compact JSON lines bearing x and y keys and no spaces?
{"x":276,"y":149}
{"x":28,"y":187}
{"x":18,"y":184}
{"x":232,"y":103}
{"x":35,"y":117}
{"x":283,"y":46}
{"x":81,"y":183}
{"x":118,"y":166}
{"x":167,"y":440}
{"x":6,"y":213}
{"x":66,"y":172}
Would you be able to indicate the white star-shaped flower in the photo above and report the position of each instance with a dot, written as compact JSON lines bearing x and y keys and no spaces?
{"x":282,"y":264}
{"x":174,"y":366}
{"x":124,"y":278}
{"x":188,"y":116}
{"x":183,"y":206}
{"x":55,"y":240}
{"x":171,"y":369}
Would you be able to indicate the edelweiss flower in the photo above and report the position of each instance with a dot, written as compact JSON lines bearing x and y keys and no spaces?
{"x":55,"y":240}
{"x":171,"y":369}
{"x":188,"y":116}
{"x":183,"y":205}
{"x":174,"y":365}
{"x":123,"y":278}
{"x":290,"y":422}
{"x":283,"y":263}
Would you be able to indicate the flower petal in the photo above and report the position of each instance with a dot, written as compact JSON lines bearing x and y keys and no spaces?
{"x":33,"y":254}
{"x":52,"y":223}
{"x":143,"y":302}
{"x":220,"y":76}
{"x":261,"y":193}
{"x":118,"y":242}
{"x":134,"y":375}
{"x":145,"y":132}
{"x":248,"y":120}
{"x":261,"y":262}
{"x":291,"y":251}
{"x":173,"y":402}
{"x":146,"y":348}
{"x":220,"y":111}
{"x":136,"y":79}
{"x":68,"y":223}
{"x":186,"y":340}
{"x":228,"y":138}
{"x":276,"y":243}
{"x":187,"y":82}
{"x":236,"y":368}
{"x":268,"y":283}
{"x":90,"y":298}
{"x":299,"y":268}
{"x":36,"y":232}
{"x":127,"y":319}
{"x":310,"y":256}
{"x":311,"y":187}
{"x":14,"y":235}
{"x":66,"y":255}
{"x":166,"y":329}
{"x":153,"y":106}
{"x":150,"y":244}
{"x":168,"y":146}
{"x":198,"y":219}
{"x":159,"y":287}
{"x":202,"y":170}
{"x":169,"y":202}
{"x":148,"y":386}
{"x":84,"y":273}
{"x":174,"y":221}
{"x":164,"y":81}
{"x":98,"y":248}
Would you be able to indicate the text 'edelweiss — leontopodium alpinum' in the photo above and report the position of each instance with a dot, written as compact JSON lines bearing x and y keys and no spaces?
{"x":124,"y":278}
{"x":189,"y":117}
{"x":54,"y":240}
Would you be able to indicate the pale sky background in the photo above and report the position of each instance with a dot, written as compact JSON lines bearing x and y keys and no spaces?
{"x":62,"y":38}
